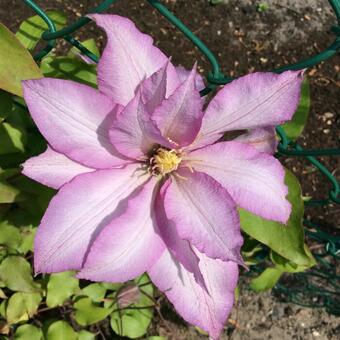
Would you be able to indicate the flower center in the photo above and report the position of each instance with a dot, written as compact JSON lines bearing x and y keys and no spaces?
{"x":165,"y":161}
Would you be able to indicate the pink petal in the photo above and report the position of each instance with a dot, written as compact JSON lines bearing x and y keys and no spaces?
{"x":179,"y":117}
{"x":128,"y":58}
{"x":80,"y":210}
{"x":208,"y":311}
{"x":133,"y":133}
{"x":53,"y":169}
{"x":204,"y":214}
{"x":178,"y":247}
{"x":129,"y":245}
{"x":153,"y":89}
{"x":255,"y":100}
{"x":262,"y":139}
{"x":254,"y":180}
{"x":74,"y":118}
{"x":183,"y":74}
{"x":127,"y":134}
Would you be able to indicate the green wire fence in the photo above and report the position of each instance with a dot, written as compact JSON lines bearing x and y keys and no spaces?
{"x":309,"y":289}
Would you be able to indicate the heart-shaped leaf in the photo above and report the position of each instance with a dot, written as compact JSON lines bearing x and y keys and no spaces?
{"x":28,"y":332}
{"x":16,"y":273}
{"x":22,"y":306}
{"x":88,"y":313}
{"x":60,"y":287}
{"x":61,"y":330}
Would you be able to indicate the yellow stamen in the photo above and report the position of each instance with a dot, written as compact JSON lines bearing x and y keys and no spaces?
{"x":165,"y":161}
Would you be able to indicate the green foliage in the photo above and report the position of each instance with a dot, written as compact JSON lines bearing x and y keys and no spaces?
{"x":289,"y":253}
{"x":266,"y":280}
{"x":22,"y":306}
{"x":95,"y":291}
{"x":15,"y":273}
{"x":286,"y":240}
{"x":31,"y":29}
{"x":262,"y":7}
{"x":60,"y":287}
{"x":28,"y":332}
{"x":294,"y":128}
{"x":85,"y":335}
{"x":134,"y":320}
{"x":217,"y":2}
{"x":5,"y":105}
{"x":13,"y":138}
{"x":270,"y":276}
{"x":70,"y":68}
{"x":61,"y":330}
{"x":250,"y":249}
{"x":19,"y":66}
{"x":88,"y":312}
{"x":8,"y":193}
{"x":10,"y":236}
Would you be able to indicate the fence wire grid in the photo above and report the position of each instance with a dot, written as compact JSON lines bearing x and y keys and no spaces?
{"x":318,"y":287}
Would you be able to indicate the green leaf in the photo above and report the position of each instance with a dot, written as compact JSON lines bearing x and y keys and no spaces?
{"x":288,"y":241}
{"x":16,"y":273}
{"x":111,"y":286}
{"x":60,"y":287}
{"x":88,"y":313}
{"x":270,"y":276}
{"x":5,"y":105}
{"x":85,"y":335}
{"x":90,"y":44}
{"x":8,"y":173}
{"x":61,"y":330}
{"x":28,"y":332}
{"x":20,"y":116}
{"x":250,"y":249}
{"x":13,"y":138}
{"x":2,"y":294}
{"x":289,"y":266}
{"x":31,"y":29}
{"x":70,"y":68}
{"x":266,"y":280}
{"x":27,"y":239}
{"x":95,"y":291}
{"x":294,"y":128}
{"x":19,"y":218}
{"x":3,"y":307}
{"x":40,"y":195}
{"x":133,"y":320}
{"x":16,"y":63}
{"x":9,"y":194}
{"x":12,"y":159}
{"x":133,"y":323}
{"x":9,"y":235}
{"x":22,"y":306}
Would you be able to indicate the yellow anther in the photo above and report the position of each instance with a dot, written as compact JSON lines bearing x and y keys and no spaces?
{"x":165,"y":161}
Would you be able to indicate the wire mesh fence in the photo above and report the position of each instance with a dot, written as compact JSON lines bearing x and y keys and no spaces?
{"x":318,"y":287}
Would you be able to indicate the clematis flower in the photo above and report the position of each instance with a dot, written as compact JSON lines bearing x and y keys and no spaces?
{"x":145,"y":184}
